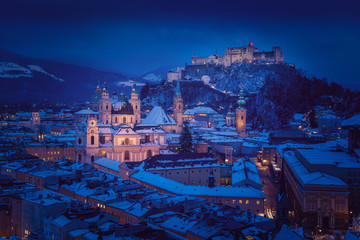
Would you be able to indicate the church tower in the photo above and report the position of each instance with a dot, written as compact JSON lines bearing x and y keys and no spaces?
{"x":92,"y":133}
{"x":241,"y":114}
{"x":178,"y":108}
{"x":35,"y":118}
{"x":105,"y":106}
{"x":230,"y":117}
{"x":135,"y":103}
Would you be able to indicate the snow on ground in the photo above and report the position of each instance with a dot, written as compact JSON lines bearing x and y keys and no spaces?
{"x":151,"y":77}
{"x":130,"y":83}
{"x":13,"y":70}
{"x":39,"y":69}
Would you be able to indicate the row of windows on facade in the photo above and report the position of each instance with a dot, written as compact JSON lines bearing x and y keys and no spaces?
{"x":207,"y":170}
{"x":126,"y":155}
{"x":339,"y":207}
{"x":107,"y":107}
{"x":126,"y":142}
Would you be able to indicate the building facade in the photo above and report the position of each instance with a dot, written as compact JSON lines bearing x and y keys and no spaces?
{"x":241,"y":54}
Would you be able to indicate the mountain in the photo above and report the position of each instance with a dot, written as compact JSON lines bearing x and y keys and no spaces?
{"x":25,"y":79}
{"x":274,"y":93}
{"x":158,"y":74}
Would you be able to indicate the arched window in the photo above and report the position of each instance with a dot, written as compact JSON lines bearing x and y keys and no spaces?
{"x":107,"y":107}
{"x":135,"y":106}
{"x":136,"y":121}
{"x":149,"y":153}
{"x":127,"y":155}
{"x":92,"y":140}
{"x":115,"y":119}
{"x":79,"y":141}
{"x":107,"y":121}
{"x":92,"y":159}
{"x":179,"y":106}
{"x":124,"y":120}
{"x":242,"y":117}
{"x":131,"y":119}
{"x":79,"y":157}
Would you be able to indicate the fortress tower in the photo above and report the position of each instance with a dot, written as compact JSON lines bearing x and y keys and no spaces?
{"x":178,"y":108}
{"x":105,"y":106}
{"x":135,"y":103}
{"x":241,"y":114}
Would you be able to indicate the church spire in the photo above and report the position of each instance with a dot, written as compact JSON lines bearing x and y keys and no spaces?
{"x":241,"y":100}
{"x":134,"y":89}
{"x":177,"y":89}
{"x":105,"y":89}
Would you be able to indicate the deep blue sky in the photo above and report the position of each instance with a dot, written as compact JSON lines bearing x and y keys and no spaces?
{"x":136,"y":36}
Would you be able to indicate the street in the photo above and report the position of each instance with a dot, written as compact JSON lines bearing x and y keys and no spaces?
{"x":270,"y":188}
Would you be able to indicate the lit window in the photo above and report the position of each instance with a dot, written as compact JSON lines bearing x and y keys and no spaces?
{"x":247,"y":202}
{"x":240,"y":201}
{"x":257,"y":202}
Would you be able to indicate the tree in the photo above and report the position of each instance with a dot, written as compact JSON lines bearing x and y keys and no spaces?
{"x":144,"y":91}
{"x":186,"y":145}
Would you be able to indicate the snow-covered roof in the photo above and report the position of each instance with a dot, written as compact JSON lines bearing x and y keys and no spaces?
{"x":323,"y":156}
{"x":125,"y":130}
{"x":85,"y":112}
{"x":193,"y":190}
{"x":108,"y":163}
{"x":310,"y":178}
{"x":61,"y":221}
{"x":200,"y":109}
{"x":329,"y":116}
{"x":159,"y":117}
{"x":352,"y":235}
{"x":288,"y":233}
{"x":105,"y":130}
{"x":245,"y":169}
{"x":353,"y":121}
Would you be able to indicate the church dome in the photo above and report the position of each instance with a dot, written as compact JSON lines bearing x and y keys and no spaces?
{"x":118,"y":105}
{"x":122,"y":107}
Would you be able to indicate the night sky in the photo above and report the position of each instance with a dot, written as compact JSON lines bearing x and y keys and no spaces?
{"x":321,"y":37}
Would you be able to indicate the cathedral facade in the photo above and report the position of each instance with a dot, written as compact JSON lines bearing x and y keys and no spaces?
{"x":115,"y":133}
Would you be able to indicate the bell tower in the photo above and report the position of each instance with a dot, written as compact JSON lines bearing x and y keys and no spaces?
{"x":92,"y":133}
{"x":241,"y":114}
{"x":135,"y":103}
{"x":230,"y":117}
{"x":105,"y":106}
{"x":178,"y":108}
{"x":35,"y":118}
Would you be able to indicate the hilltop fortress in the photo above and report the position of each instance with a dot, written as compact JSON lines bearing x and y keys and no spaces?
{"x":241,"y":54}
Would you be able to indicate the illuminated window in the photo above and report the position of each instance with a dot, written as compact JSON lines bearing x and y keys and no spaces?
{"x":258,"y":202}
{"x":247,"y":202}
{"x":240,"y":201}
{"x":234,"y":201}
